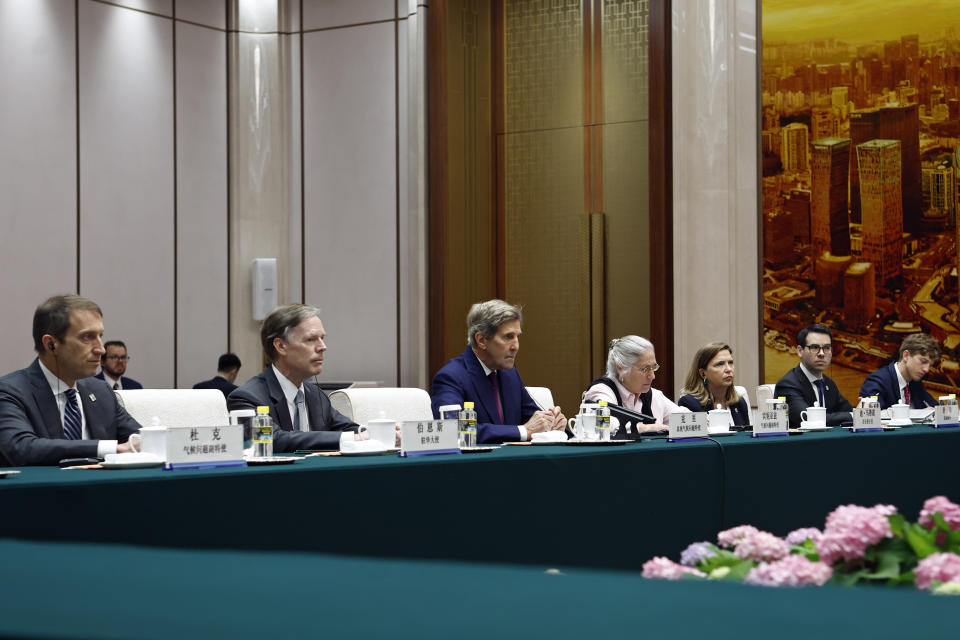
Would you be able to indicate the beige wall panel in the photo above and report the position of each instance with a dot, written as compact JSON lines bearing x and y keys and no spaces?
{"x":37,"y":165}
{"x":126,"y":181}
{"x":162,"y":7}
{"x":715,"y":176}
{"x":201,"y":202}
{"x":351,"y":197}
{"x":210,"y":13}
{"x":321,"y":14}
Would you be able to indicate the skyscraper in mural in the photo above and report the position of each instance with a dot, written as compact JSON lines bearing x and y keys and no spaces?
{"x":794,"y":139}
{"x":881,"y":205}
{"x":830,"y":162}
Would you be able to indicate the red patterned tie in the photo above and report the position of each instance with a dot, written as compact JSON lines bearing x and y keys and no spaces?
{"x":906,"y":395}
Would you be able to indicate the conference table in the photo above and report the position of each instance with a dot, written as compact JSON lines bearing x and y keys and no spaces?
{"x":610,"y":507}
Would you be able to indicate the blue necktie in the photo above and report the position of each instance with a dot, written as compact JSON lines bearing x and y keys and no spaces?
{"x":820,"y":392}
{"x":72,"y":424}
{"x":297,"y":402}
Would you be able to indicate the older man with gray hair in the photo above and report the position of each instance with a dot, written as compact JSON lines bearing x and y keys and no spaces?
{"x":484,"y":374}
{"x":293,"y":340}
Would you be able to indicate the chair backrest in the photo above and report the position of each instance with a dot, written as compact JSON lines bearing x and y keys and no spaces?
{"x":742,"y":392}
{"x":764,"y":393}
{"x":542,"y":396}
{"x":397,"y":403}
{"x":176,"y":407}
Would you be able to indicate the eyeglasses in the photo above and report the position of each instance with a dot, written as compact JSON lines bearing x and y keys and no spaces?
{"x":815,"y":348}
{"x":647,"y":370}
{"x":118,"y":358}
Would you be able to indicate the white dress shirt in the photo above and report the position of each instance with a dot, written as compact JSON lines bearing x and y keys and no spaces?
{"x":290,"y":393}
{"x":59,"y":389}
{"x":111,"y":381}
{"x":812,"y":378}
{"x":902,"y":384}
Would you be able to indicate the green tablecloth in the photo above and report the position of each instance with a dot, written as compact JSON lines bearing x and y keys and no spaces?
{"x":558,"y":506}
{"x":68,"y":590}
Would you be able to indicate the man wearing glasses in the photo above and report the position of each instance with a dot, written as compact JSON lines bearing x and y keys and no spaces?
{"x":806,"y":386}
{"x":113,"y":364}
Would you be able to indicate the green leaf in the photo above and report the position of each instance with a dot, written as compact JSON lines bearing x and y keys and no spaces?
{"x":921,"y":540}
{"x":740,"y":571}
{"x":897,"y":522}
{"x":941,"y":523}
{"x":849,"y":579}
{"x":888,"y":567}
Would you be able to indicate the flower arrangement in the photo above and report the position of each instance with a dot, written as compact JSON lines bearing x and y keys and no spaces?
{"x":858,"y":544}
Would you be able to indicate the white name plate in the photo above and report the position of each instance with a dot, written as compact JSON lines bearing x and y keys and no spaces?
{"x":867,"y":418}
{"x":946,"y":414}
{"x":772,"y":421}
{"x":189,"y":445}
{"x":425,"y":437}
{"x":688,"y":425}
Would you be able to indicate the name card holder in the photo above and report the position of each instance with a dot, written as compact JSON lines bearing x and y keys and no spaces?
{"x":428,"y":438}
{"x":945,"y":416}
{"x":204,"y":447}
{"x":772,"y":422}
{"x":687,"y":426}
{"x":866,"y":420}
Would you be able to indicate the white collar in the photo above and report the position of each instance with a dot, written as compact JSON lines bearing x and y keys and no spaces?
{"x":57,"y":386}
{"x":900,"y":379}
{"x":289,"y":389}
{"x":486,"y":370}
{"x":110,"y":380}
{"x":812,"y":378}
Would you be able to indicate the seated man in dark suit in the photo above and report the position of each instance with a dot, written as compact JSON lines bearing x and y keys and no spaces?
{"x":292,"y":337}
{"x":806,"y":386}
{"x":484,"y":374}
{"x":228,"y":366}
{"x":113,"y":365}
{"x":902,"y":381}
{"x":53,"y":409}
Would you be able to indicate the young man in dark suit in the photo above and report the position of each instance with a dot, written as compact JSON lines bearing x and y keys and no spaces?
{"x":806,"y":386}
{"x":228,"y":367}
{"x":292,"y":337}
{"x":484,"y":373}
{"x":113,"y":365}
{"x":54,"y":409}
{"x":902,"y":381}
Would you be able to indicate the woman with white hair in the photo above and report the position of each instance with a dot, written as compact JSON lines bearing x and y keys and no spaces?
{"x":631,"y":369}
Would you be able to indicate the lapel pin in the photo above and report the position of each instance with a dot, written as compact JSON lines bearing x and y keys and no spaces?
{"x":93,"y":398}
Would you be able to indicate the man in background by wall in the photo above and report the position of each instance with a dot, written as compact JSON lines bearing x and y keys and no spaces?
{"x":114,"y":364}
{"x":806,"y":385}
{"x":53,"y":409}
{"x":228,"y":367}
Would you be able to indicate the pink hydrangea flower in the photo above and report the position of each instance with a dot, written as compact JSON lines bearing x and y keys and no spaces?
{"x":943,"y":567}
{"x":799,"y":536}
{"x":792,"y":571}
{"x":762,"y":547}
{"x":730,"y":537}
{"x":851,"y":529}
{"x":665,"y":569}
{"x":949,"y":510}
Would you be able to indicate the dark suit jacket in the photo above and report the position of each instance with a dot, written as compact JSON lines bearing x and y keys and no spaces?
{"x":798,"y":391}
{"x":326,"y":423}
{"x":218,"y":382}
{"x":740,"y":412}
{"x":883,"y":383}
{"x":31,"y":430}
{"x":462,"y":379}
{"x":125,"y":382}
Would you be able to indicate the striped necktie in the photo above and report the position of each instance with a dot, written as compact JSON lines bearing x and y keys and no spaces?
{"x":298,"y":403}
{"x":72,"y":424}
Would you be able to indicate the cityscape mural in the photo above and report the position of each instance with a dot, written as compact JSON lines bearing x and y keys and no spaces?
{"x":860,"y":131}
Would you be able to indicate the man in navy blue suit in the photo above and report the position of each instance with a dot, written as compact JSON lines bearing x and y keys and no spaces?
{"x":228,"y":367}
{"x":902,"y":381}
{"x":113,"y":365}
{"x":484,"y":374}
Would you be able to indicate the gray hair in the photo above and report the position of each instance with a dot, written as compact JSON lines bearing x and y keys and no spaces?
{"x":486,"y":318}
{"x":281,"y":322}
{"x":624,"y":352}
